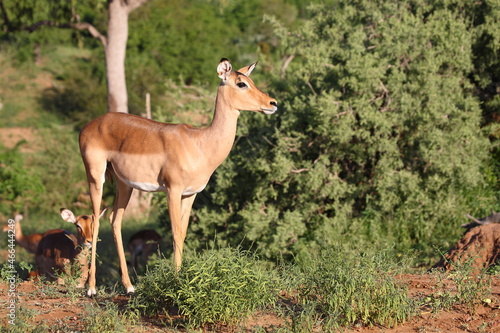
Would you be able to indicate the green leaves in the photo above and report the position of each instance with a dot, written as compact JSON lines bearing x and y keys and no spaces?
{"x":218,"y":286}
{"x":351,"y":288}
{"x":17,"y":186}
{"x":379,"y":118}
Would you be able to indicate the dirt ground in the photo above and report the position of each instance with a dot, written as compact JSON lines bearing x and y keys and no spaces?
{"x":67,"y":312}
{"x":63,"y":312}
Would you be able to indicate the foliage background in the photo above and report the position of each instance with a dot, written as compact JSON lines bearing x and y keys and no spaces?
{"x":385,"y":135}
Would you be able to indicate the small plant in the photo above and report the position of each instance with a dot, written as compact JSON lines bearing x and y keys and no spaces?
{"x":217,"y":287}
{"x":72,"y":280}
{"x":347,"y":289}
{"x":18,"y":270}
{"x":108,"y":317}
{"x":461,"y":285}
{"x":22,"y":322}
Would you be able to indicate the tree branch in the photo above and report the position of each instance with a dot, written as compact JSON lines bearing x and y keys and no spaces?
{"x":77,"y":26}
{"x":133,"y":4}
{"x":74,"y":23}
{"x":299,"y":170}
{"x":91,"y":29}
{"x":310,"y":86}
{"x":5,"y":16}
{"x":285,"y":65}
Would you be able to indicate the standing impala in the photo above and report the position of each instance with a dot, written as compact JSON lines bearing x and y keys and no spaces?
{"x":174,"y":158}
{"x":30,"y":242}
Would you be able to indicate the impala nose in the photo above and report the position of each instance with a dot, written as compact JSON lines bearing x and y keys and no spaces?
{"x":273,"y":107}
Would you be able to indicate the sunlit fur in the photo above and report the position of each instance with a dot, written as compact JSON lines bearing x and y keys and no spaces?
{"x":175,"y":158}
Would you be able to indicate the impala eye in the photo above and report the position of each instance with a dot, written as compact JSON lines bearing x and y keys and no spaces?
{"x":241,"y":85}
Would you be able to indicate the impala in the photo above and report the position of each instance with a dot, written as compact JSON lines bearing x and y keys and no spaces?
{"x":59,"y":248}
{"x":174,"y":158}
{"x":30,"y":243}
{"x":145,"y":242}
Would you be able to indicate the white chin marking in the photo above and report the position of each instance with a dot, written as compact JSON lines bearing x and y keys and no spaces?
{"x":269,"y":111}
{"x":130,"y":290}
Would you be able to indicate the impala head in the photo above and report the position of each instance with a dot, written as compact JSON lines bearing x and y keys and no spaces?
{"x":240,"y":92}
{"x":84,"y":225}
{"x":7,"y":227}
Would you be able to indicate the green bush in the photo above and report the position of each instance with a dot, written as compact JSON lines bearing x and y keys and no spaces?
{"x":216,"y":287}
{"x":376,"y":140}
{"x":66,"y":97}
{"x":107,"y":317}
{"x":463,"y":284}
{"x":63,"y":173}
{"x":347,"y":288}
{"x":19,"y":187}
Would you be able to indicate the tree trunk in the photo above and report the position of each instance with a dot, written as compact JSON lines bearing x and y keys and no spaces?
{"x":115,"y":56}
{"x":115,"y":47}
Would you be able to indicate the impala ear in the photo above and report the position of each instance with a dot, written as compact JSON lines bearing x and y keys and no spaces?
{"x":68,"y":215}
{"x":248,"y":69}
{"x":224,"y":69}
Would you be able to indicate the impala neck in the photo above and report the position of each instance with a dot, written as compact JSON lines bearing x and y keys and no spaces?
{"x":19,"y":234}
{"x":222,"y":131}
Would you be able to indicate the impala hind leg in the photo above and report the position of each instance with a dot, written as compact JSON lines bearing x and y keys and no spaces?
{"x":123,"y":193}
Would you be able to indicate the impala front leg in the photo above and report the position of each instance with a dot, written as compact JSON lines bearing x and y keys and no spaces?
{"x":96,"y":197}
{"x":186,"y":205}
{"x":123,"y":193}
{"x":174,"y":210}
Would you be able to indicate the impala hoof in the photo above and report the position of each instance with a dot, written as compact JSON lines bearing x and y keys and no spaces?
{"x":130,"y":290}
{"x":91,"y":292}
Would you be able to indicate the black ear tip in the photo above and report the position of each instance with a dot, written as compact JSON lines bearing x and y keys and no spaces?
{"x":224,"y":59}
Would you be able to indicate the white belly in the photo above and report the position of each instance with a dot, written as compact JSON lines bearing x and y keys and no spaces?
{"x":146,"y":187}
{"x":190,"y":191}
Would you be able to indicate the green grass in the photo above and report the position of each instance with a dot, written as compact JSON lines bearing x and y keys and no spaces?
{"x":107,"y":317}
{"x":333,"y":291}
{"x":463,"y":285}
{"x":330,"y":290}
{"x":215,"y":287}
{"x":21,"y":86}
{"x":337,"y":288}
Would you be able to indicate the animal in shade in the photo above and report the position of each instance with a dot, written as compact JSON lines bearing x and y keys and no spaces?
{"x":59,"y":249}
{"x":30,"y":242}
{"x":145,"y":243}
{"x":493,"y":218}
{"x":177,"y":159}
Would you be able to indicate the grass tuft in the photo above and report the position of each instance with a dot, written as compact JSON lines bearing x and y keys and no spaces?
{"x":216,"y":287}
{"x":463,"y":284}
{"x":340,"y":289}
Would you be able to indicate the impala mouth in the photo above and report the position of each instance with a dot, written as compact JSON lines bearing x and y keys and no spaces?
{"x":269,"y":111}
